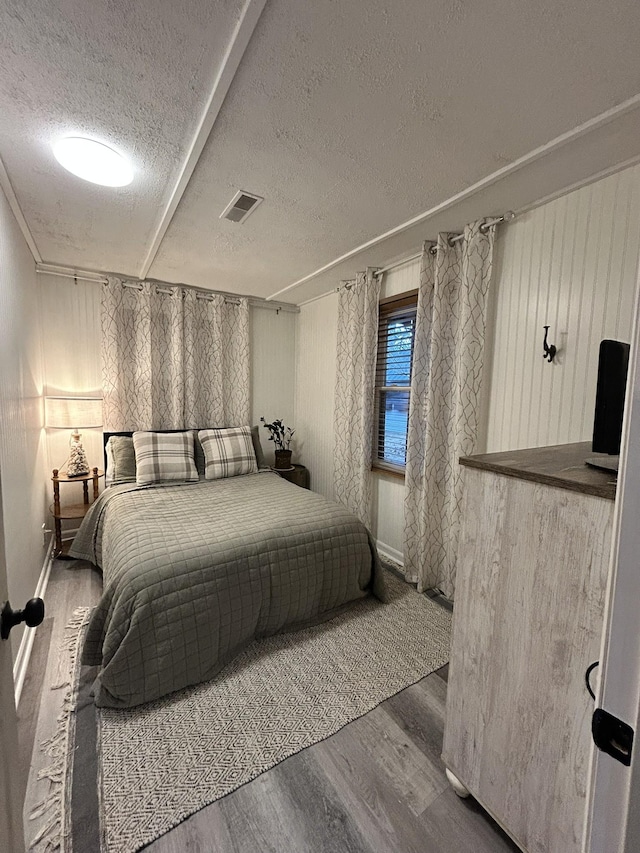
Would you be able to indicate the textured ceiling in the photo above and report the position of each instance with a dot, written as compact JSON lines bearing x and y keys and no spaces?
{"x":349,"y":118}
{"x":134,"y":75}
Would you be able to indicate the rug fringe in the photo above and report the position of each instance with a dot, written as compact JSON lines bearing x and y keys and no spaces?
{"x":53,"y":835}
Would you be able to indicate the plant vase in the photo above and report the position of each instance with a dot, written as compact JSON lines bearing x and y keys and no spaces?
{"x":283,"y":460}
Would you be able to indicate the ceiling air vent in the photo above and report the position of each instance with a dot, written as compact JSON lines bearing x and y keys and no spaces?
{"x":240,"y":206}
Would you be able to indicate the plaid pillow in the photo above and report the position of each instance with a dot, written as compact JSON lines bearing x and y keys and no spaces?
{"x":228,"y":452}
{"x":164,"y":457}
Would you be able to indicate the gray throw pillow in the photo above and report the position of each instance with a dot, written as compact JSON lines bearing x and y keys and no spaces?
{"x":198,"y":453}
{"x":124,"y":459}
{"x":257,"y":447}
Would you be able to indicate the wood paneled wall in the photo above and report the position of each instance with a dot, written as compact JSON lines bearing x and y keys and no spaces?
{"x":21,"y":433}
{"x":570,"y":264}
{"x":401,"y":279}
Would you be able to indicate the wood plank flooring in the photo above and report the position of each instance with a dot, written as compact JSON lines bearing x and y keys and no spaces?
{"x":377,"y":785}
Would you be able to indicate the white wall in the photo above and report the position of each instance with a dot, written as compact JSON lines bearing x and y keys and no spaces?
{"x":273,"y":350}
{"x":72,"y":363}
{"x":570,"y":264}
{"x":21,"y":434}
{"x":388,"y":507}
{"x":315,"y":388}
{"x":72,"y":366}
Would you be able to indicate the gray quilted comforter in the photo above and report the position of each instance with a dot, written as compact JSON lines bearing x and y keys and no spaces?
{"x":194,"y":572}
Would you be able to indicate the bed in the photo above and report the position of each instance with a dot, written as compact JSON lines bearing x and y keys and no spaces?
{"x":193,"y":572}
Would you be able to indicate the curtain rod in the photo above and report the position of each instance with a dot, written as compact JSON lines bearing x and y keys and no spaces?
{"x":455,"y":238}
{"x":206,"y":296}
{"x":85,"y":275}
{"x":399,"y":263}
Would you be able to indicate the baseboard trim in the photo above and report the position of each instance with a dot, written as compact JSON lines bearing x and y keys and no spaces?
{"x":69,"y":534}
{"x":26,"y":644}
{"x":391,"y":553}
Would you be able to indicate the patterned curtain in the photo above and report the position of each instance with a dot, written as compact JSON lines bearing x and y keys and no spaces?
{"x":216,"y":359}
{"x":445,"y":401}
{"x":354,"y":404}
{"x":171,"y":360}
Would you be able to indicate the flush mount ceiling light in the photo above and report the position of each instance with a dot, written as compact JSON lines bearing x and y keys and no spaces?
{"x":93,"y":161}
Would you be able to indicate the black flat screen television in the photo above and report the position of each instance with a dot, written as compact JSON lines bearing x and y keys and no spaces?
{"x":613,"y":365}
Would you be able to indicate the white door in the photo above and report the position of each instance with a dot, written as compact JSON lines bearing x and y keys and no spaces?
{"x":614,"y":815}
{"x":11,"y":831}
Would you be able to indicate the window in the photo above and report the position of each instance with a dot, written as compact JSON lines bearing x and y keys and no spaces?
{"x":396,"y":332}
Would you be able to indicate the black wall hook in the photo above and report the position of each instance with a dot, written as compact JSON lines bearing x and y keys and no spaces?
{"x":587,"y":678}
{"x":549,"y":349}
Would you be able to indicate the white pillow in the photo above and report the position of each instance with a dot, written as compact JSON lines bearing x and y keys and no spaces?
{"x":164,"y":457}
{"x":228,"y":452}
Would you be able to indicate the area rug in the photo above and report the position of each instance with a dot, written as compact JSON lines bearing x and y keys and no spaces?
{"x":49,"y":821}
{"x":161,"y":762}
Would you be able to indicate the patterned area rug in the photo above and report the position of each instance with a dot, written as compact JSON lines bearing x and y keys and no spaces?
{"x":166,"y":760}
{"x":161,"y":762}
{"x":48,"y":795}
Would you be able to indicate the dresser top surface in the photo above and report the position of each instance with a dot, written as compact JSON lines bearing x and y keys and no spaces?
{"x":562,"y":465}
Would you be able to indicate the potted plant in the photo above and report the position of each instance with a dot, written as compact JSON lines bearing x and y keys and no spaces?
{"x":281,"y":435}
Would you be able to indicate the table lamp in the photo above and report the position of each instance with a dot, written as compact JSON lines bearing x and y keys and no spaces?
{"x":74,"y":413}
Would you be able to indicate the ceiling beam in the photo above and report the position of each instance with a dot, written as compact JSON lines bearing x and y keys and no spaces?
{"x":235,"y":51}
{"x":14,"y":204}
{"x":593,"y":124}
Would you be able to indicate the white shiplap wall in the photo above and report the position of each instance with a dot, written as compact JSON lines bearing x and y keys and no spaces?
{"x":21,"y":434}
{"x":570,"y":264}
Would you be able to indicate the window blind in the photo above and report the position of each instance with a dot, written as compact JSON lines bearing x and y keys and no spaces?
{"x":396,"y":334}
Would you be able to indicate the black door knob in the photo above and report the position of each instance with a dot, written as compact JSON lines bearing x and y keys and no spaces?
{"x":33,"y":614}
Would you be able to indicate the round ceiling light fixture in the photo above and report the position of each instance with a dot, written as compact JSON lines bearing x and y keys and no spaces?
{"x":93,"y":161}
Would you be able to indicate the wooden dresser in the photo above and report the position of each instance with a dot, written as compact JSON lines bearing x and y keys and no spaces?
{"x":528,"y":617}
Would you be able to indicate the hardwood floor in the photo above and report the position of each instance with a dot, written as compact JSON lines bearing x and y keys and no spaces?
{"x":376,"y":786}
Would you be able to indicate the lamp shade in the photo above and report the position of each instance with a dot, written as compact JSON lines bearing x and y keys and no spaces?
{"x":72,"y":412}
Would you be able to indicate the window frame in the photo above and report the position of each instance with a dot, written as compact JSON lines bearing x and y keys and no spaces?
{"x":388,"y":306}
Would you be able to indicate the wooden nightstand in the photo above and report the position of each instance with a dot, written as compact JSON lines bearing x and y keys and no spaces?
{"x":298,"y":475}
{"x":76,"y":511}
